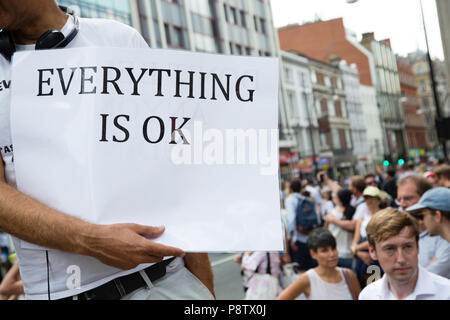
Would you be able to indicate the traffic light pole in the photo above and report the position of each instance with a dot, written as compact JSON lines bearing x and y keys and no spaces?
{"x":433,"y":84}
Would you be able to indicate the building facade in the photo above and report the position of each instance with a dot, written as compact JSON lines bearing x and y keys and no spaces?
{"x":350,"y":78}
{"x":388,"y":95}
{"x":415,"y":129}
{"x":298,"y":94}
{"x":422,"y":78}
{"x":326,"y":40}
{"x":330,"y":104}
{"x":119,"y":10}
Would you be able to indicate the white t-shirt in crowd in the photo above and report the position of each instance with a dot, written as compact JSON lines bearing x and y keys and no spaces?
{"x":322,"y":290}
{"x":429,"y":286}
{"x":70,"y":273}
{"x":343,"y":237}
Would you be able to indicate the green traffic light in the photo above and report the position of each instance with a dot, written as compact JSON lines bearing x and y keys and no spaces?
{"x":386,"y":163}
{"x":401,"y":162}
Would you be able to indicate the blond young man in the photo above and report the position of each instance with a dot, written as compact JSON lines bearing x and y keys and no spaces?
{"x":393,"y":240}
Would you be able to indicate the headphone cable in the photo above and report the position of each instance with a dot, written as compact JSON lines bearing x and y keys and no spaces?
{"x":48,"y":275}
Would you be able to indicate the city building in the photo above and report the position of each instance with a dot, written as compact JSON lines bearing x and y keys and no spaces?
{"x":304,"y":159}
{"x":222,"y":26}
{"x":119,"y":10}
{"x":328,"y":40}
{"x":334,"y":126}
{"x":443,"y":10}
{"x":422,"y":77}
{"x":415,"y":129}
{"x":350,"y":78}
{"x":388,"y":95}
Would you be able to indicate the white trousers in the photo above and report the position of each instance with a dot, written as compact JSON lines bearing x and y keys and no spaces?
{"x":177,"y":284}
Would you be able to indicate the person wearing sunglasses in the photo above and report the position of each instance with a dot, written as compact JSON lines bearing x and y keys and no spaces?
{"x":434,"y":209}
{"x":434,"y":252}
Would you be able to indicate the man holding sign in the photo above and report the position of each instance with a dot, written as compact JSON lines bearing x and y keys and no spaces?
{"x":45,"y":236}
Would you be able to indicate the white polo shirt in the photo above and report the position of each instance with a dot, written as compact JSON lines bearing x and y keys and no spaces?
{"x":429,"y":286}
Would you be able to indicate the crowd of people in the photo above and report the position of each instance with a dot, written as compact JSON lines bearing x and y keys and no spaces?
{"x":393,"y":227}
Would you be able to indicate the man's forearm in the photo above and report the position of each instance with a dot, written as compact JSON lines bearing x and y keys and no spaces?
{"x":348,"y":225}
{"x":199,"y":265}
{"x":32,"y":221}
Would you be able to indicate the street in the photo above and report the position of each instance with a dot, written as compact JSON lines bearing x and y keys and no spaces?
{"x":227,"y":276}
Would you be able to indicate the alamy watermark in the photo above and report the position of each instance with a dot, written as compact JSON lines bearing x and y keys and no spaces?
{"x":212,"y":146}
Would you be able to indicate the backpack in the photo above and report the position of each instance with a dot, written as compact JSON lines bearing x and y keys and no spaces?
{"x":305,"y":214}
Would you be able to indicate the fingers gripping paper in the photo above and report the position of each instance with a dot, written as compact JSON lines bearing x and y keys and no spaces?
{"x":155,"y":137}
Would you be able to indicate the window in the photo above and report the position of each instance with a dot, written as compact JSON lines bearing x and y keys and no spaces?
{"x":263,"y":25}
{"x":334,"y":82}
{"x":323,"y":106}
{"x":255,"y":20}
{"x":320,"y":78}
{"x":225,"y":9}
{"x":239,"y":49}
{"x":288,"y":75}
{"x":292,"y":104}
{"x":243,"y":19}
{"x":313,"y":76}
{"x":331,"y":110}
{"x":323,"y":141}
{"x":301,"y":79}
{"x":344,"y":110}
{"x":336,"y":138}
{"x":234,"y":15}
{"x":327,"y":81}
{"x":347,"y":139}
{"x":337,"y":105}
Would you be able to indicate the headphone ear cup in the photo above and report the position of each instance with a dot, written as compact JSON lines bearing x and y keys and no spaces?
{"x":50,"y":39}
{"x":7,"y":46}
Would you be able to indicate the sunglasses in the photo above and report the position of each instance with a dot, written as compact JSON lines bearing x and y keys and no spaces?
{"x":418,"y":216}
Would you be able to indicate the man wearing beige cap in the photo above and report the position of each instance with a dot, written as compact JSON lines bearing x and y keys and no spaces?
{"x":372,"y":197}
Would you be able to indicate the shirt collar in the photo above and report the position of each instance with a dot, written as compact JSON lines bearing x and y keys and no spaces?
{"x":423,"y":234}
{"x":424,"y":286}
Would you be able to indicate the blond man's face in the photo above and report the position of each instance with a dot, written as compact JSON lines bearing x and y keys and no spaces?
{"x":398,"y":255}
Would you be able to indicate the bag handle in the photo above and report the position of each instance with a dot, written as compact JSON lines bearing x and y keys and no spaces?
{"x":350,"y":285}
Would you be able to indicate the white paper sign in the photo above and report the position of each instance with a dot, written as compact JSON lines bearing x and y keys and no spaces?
{"x":155,"y":137}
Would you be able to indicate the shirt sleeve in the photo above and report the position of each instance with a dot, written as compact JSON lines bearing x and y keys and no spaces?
{"x":442,"y":265}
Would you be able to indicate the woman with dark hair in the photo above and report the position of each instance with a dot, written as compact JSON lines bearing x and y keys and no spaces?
{"x":326,"y":281}
{"x":342,"y":211}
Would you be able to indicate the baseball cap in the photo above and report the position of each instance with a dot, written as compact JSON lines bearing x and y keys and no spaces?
{"x":372,"y":192}
{"x":436,"y":198}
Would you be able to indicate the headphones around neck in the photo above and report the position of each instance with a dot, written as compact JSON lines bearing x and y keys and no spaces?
{"x":49,"y":40}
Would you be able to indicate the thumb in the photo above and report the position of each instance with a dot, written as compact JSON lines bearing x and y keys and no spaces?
{"x":149,"y":231}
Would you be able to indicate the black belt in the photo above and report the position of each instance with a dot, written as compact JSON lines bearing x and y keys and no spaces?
{"x":117,"y":288}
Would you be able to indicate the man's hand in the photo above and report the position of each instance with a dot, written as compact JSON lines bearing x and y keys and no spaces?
{"x":126,"y":245}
